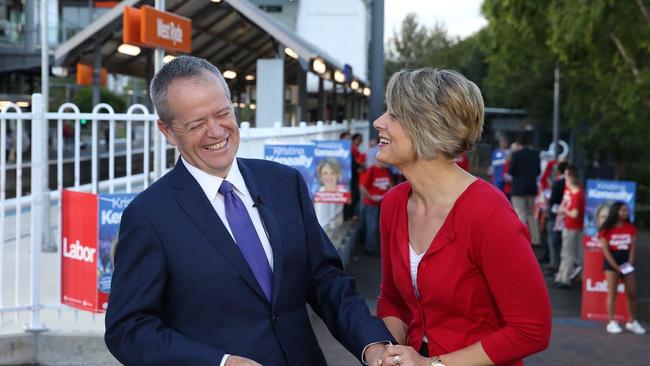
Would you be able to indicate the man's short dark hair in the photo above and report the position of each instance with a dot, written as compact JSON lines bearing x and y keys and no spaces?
{"x":571,"y":173}
{"x":523,"y":138}
{"x":561,"y":166}
{"x":182,"y":67}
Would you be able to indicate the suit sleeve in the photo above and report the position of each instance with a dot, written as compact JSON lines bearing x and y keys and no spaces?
{"x":135,"y":333}
{"x":513,"y":277}
{"x":332,"y":293}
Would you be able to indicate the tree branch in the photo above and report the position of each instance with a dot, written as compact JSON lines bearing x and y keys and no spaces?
{"x":626,"y":57}
{"x":644,"y":11}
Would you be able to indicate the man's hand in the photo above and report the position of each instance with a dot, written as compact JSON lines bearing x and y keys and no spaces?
{"x":240,"y":361}
{"x":373,"y":353}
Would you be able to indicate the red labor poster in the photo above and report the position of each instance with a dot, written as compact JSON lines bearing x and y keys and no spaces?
{"x":594,"y":286}
{"x":79,"y":232}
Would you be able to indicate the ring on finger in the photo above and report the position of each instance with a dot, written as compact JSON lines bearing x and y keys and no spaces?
{"x":397,"y":359}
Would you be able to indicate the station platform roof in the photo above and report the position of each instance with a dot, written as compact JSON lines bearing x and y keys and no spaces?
{"x":231,"y":34}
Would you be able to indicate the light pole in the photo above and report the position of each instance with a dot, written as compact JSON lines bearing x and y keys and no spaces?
{"x":556,"y":110}
{"x":376,"y":63}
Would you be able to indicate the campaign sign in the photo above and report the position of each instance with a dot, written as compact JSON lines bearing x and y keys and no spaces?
{"x":89,"y":228}
{"x":299,"y":156}
{"x":599,"y":195}
{"x":333,"y":166}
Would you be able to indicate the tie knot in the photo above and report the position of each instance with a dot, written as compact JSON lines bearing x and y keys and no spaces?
{"x":226,"y":187}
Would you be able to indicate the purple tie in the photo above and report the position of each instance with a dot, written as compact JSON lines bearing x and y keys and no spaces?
{"x":246,"y":237}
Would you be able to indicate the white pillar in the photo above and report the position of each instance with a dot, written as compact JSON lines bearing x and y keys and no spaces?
{"x":270,"y":92}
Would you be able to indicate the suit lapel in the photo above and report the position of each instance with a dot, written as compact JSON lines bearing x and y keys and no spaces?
{"x":259,"y":188}
{"x":193,"y":201}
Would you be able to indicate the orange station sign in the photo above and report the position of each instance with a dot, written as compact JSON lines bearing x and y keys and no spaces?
{"x":153,"y":28}
{"x":85,"y":75}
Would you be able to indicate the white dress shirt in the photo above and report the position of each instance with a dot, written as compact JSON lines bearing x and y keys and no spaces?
{"x":210,"y":185}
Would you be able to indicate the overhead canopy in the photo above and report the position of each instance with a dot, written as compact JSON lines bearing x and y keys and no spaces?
{"x":232,"y":34}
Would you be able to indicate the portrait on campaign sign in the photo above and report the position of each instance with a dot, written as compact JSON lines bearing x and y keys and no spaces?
{"x":606,"y":191}
{"x":332,"y":160}
{"x":299,"y":156}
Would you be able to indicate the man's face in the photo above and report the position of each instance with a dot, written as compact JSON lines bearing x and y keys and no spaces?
{"x":204,"y":127}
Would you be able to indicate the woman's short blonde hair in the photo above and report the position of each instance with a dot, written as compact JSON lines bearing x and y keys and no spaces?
{"x":440,"y":110}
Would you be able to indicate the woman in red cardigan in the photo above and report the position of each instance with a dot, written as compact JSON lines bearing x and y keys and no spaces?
{"x":460,"y":284}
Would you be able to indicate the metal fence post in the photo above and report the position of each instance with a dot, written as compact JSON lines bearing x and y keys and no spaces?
{"x":40,"y":197}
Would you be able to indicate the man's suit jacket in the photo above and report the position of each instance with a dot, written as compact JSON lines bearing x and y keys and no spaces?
{"x":524,"y":169}
{"x":182,"y":293}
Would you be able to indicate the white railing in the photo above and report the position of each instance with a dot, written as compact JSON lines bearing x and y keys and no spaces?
{"x":30,"y":214}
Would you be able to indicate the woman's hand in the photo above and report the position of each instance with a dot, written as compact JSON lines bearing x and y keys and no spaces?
{"x":403,"y":356}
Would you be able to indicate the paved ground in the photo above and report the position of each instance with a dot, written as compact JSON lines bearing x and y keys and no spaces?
{"x":574,"y":342}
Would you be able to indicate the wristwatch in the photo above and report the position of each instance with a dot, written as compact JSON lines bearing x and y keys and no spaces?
{"x":436,"y":361}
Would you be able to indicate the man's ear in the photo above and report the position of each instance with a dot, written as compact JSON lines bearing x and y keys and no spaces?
{"x":166,"y":130}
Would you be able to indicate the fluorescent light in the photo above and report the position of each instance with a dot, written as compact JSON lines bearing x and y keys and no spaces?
{"x":60,"y":71}
{"x":291,"y":53}
{"x":354,"y":85}
{"x":128,"y":49}
{"x":229,"y":74}
{"x":216,"y":1}
{"x":319,"y":66}
{"x":168,"y":58}
{"x":242,"y":105}
{"x":339,"y":76}
{"x":129,"y":92}
{"x":23,"y":104}
{"x":252,"y":106}
{"x":366,"y":91}
{"x":250,"y":77}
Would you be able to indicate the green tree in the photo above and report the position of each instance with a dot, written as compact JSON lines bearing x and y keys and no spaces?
{"x":416,"y":46}
{"x":604,"y":50}
{"x":520,"y":63}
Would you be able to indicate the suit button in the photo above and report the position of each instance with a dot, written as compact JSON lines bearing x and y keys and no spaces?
{"x":275,"y":318}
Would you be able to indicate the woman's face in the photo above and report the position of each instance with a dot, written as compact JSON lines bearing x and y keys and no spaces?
{"x":328,"y":178}
{"x":623,"y":213}
{"x":395,"y":146}
{"x":602,"y":216}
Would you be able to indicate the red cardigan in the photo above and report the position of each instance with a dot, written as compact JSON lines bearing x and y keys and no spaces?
{"x":478,"y":281}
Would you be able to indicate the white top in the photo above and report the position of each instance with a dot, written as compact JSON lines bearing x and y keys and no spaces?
{"x":415,"y":259}
{"x":210,"y":185}
{"x":415,"y":262}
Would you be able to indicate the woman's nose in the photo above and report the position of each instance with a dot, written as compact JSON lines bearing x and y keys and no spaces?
{"x":377,"y":124}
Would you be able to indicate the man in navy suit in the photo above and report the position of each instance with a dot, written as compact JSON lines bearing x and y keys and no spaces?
{"x":217,"y":260}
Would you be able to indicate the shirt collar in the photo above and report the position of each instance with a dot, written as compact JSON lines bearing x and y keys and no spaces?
{"x":211,"y":183}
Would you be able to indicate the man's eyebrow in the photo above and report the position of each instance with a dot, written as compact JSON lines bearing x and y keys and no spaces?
{"x":224,"y":109}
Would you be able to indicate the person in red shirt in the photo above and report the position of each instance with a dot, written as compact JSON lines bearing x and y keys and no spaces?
{"x":460,"y":283}
{"x":375,"y":182}
{"x":572,"y":212}
{"x":618,"y":239}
